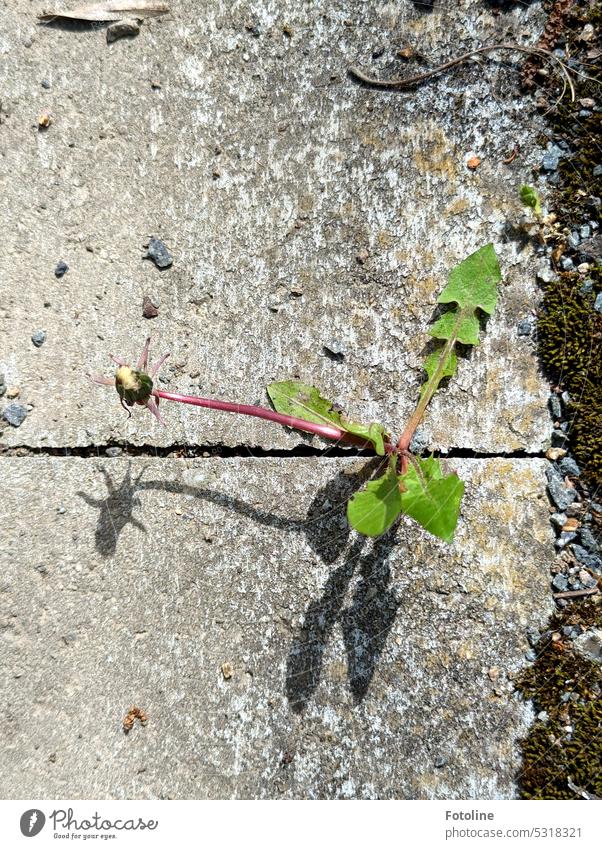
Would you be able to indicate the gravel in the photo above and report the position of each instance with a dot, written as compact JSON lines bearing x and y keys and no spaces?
{"x":565,"y":538}
{"x":159,"y":254}
{"x":589,"y":645}
{"x":588,"y":540}
{"x":560,"y":494}
{"x":525,"y":327}
{"x":598,"y":302}
{"x":551,"y":158}
{"x":558,"y":519}
{"x":38,"y":337}
{"x":560,"y":583}
{"x":568,"y":466}
{"x":14,"y":414}
{"x":61,"y":268}
{"x":555,"y":406}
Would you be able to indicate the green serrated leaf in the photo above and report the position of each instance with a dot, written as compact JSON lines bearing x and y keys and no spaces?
{"x":431,"y":364}
{"x":373,"y":509}
{"x":472,"y":286}
{"x":430,"y":498}
{"x":530,"y":198}
{"x":473,"y":283}
{"x":303,"y":401}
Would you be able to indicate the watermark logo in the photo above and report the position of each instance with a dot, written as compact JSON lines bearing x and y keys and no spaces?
{"x":32,"y":822}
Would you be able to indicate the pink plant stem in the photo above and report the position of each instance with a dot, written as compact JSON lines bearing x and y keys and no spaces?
{"x":325,"y":430}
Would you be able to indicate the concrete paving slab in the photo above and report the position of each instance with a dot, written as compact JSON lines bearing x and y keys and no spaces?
{"x":300,"y":208}
{"x":359,"y":669}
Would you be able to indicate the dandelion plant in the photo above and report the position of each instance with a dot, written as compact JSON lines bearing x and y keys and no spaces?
{"x":411,"y":485}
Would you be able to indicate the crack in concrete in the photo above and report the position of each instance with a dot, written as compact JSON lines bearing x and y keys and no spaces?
{"x":181,"y":450}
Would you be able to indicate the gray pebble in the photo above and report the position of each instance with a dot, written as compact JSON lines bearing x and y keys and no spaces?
{"x":114,"y":451}
{"x":554,"y":405}
{"x":568,"y":466}
{"x":14,"y":414}
{"x":419,"y":443}
{"x":574,"y":239}
{"x":585,"y":231}
{"x":61,"y":268}
{"x":558,"y":519}
{"x":550,"y":159}
{"x":560,"y":494}
{"x":440,"y":762}
{"x":582,"y":554}
{"x":587,"y":287}
{"x":531,"y":656}
{"x":45,"y":84}
{"x":565,"y":538}
{"x":532,"y":636}
{"x":588,"y":540}
{"x":566,"y":398}
{"x":597,"y":172}
{"x":38,"y":337}
{"x":542,"y":716}
{"x":525,"y":327}
{"x":589,"y":645}
{"x":598,"y":302}
{"x":560,"y":583}
{"x":545,"y":273}
{"x":566,"y":263}
{"x":158,"y":252}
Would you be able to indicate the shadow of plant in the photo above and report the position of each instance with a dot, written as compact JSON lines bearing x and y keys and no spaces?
{"x":365,"y":623}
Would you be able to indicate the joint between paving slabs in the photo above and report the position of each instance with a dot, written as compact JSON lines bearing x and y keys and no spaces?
{"x":183,"y":451}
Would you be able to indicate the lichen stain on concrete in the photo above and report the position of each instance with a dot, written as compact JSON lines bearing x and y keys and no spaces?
{"x":433,"y":154}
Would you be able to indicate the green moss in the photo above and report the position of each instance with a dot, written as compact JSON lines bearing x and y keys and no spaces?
{"x":570,"y":347}
{"x":552,"y":755}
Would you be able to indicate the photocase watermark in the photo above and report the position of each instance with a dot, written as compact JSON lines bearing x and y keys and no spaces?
{"x":65,"y":825}
{"x":32,"y":822}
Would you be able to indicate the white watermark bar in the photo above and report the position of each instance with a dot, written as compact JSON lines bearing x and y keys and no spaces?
{"x":303,"y":824}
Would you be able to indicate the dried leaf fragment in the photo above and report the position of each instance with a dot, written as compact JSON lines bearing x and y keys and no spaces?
{"x":110,"y":10}
{"x":134,"y":713}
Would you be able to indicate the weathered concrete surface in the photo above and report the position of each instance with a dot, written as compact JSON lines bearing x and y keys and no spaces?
{"x":266,"y":171}
{"x":371,"y":667}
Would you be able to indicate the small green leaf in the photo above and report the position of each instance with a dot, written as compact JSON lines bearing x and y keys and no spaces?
{"x":431,"y":365}
{"x":430,"y":498}
{"x":305,"y":402}
{"x":373,"y":510}
{"x":472,"y":286}
{"x":302,"y":401}
{"x":530,"y":198}
{"x":374,"y":433}
{"x":465,"y":330}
